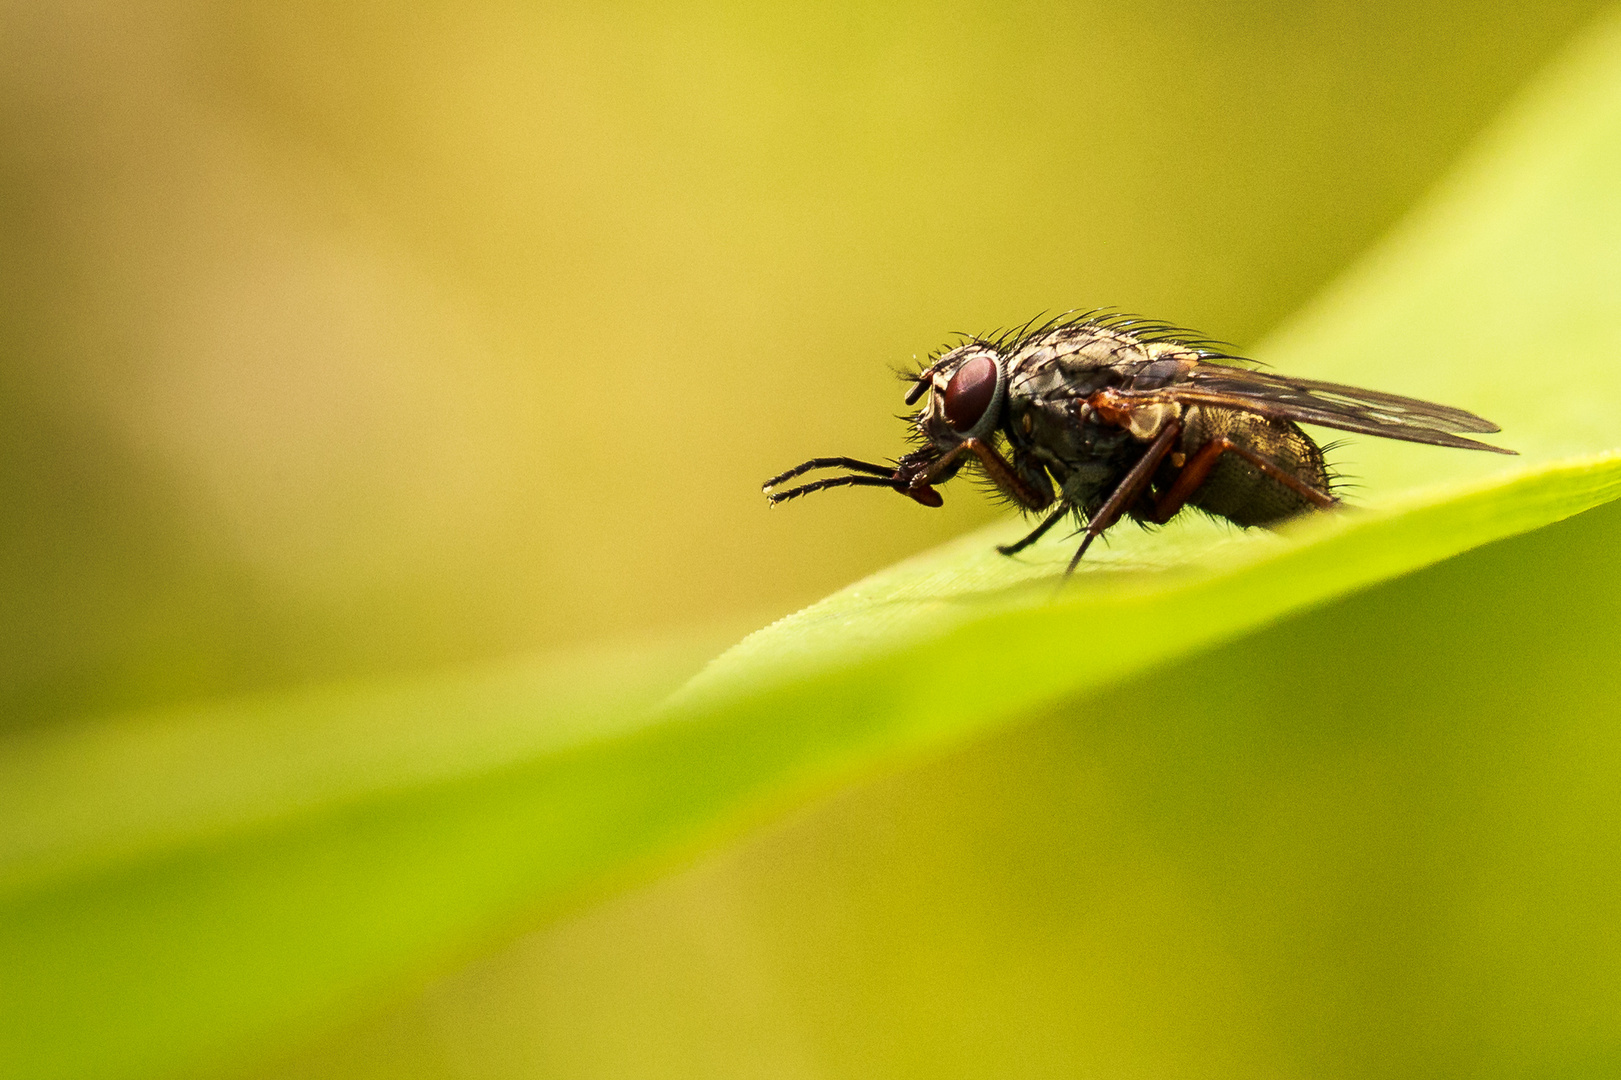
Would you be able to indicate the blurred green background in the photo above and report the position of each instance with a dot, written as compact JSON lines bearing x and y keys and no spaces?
{"x":362,"y":341}
{"x":1377,"y":840}
{"x":350,"y":339}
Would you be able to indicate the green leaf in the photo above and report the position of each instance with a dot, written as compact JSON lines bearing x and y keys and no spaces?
{"x":1378,"y":838}
{"x":174,"y":881}
{"x":176,"y":887}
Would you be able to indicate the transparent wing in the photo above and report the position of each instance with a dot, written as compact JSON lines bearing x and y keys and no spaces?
{"x":1307,"y":401}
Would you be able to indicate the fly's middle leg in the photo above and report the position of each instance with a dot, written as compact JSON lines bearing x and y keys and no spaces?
{"x":1036,"y":534}
{"x":1129,"y":490}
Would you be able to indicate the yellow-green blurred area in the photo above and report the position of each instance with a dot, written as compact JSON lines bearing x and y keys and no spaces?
{"x":386,"y":393}
{"x":352,"y":339}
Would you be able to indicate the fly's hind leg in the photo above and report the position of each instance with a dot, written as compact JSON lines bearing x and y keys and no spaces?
{"x":1197,"y":471}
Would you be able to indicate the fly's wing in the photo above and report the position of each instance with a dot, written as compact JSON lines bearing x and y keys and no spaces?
{"x":1331,"y":405}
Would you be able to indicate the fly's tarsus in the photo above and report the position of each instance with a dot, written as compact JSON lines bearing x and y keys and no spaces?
{"x":829,"y":463}
{"x":776,"y":497}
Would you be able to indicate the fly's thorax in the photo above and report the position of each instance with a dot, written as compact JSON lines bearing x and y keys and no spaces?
{"x":1083,"y":454}
{"x":1076,"y":349}
{"x":1145,"y":422}
{"x":1080,"y":361}
{"x":1164,"y":363}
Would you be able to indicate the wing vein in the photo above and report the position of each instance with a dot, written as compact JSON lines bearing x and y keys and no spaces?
{"x":1332,"y":405}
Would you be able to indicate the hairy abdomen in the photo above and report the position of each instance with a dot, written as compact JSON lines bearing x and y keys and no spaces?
{"x":1237,"y":490}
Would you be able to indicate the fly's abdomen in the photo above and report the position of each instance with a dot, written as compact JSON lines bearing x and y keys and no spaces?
{"x":1239,"y":491}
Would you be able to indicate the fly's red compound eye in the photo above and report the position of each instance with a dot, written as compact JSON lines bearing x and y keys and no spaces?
{"x":969,"y":392}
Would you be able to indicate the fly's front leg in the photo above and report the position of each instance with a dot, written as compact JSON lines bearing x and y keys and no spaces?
{"x":1197,"y":471}
{"x":919,"y":471}
{"x":917,"y":481}
{"x":1006,"y":478}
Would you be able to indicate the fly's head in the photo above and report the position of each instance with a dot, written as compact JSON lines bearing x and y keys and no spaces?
{"x":967,"y":390}
{"x":967,"y":395}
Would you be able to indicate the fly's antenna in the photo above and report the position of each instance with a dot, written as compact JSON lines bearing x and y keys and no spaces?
{"x":920,"y":383}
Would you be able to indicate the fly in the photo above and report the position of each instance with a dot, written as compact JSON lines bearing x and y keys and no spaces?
{"x":1104,"y":416}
